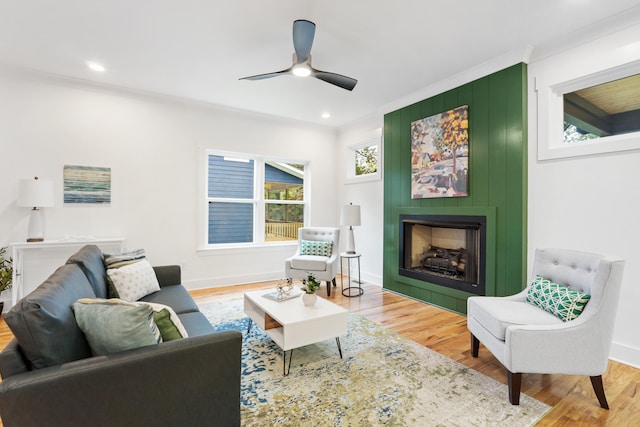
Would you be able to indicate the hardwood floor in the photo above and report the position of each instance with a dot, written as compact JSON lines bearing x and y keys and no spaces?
{"x":572,"y":397}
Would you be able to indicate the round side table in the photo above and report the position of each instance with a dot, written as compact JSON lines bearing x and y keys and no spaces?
{"x":350,"y":291}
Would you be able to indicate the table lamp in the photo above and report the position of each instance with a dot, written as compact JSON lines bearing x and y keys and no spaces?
{"x":35,"y":193}
{"x":350,"y":216}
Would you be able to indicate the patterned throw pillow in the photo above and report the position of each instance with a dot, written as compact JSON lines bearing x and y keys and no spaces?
{"x":313,"y":247}
{"x":559,"y":300}
{"x":115,"y":325}
{"x":134,"y":281}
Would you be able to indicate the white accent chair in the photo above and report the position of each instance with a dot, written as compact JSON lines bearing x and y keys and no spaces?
{"x":323,"y":268}
{"x":527,"y":339}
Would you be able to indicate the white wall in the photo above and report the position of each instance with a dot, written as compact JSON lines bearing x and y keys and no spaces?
{"x":155,"y":148}
{"x":368,"y":194}
{"x":589,"y":203}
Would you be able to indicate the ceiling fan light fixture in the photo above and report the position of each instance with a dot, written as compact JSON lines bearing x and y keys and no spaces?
{"x":301,"y":70}
{"x":303,"y":33}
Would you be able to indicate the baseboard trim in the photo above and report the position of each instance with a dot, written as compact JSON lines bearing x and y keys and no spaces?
{"x":216,"y":282}
{"x":625,"y":354}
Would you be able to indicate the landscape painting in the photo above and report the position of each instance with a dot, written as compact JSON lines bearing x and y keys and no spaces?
{"x":87,"y":184}
{"x":440,"y":155}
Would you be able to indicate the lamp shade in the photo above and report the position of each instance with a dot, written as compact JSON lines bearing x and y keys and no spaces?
{"x":350,"y":215}
{"x":35,"y":193}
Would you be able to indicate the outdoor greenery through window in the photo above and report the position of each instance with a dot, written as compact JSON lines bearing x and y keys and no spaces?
{"x":252,"y":200}
{"x":573,"y":134}
{"x":366,"y":160}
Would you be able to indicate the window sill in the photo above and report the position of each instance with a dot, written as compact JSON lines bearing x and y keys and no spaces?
{"x":363,"y":178}
{"x":238,"y":248}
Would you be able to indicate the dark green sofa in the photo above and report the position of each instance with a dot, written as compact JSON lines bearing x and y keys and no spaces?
{"x":50,"y":378}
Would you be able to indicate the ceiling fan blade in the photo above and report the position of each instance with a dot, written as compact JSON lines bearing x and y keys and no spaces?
{"x":339,"y":80}
{"x":267,"y":75}
{"x":303,"y":34}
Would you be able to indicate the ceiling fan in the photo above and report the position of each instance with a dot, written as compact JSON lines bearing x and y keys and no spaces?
{"x":303,"y":33}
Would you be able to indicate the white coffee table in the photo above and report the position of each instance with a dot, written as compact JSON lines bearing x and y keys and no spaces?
{"x":292,"y":325}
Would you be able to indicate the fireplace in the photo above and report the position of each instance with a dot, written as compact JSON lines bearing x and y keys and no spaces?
{"x":447,"y":250}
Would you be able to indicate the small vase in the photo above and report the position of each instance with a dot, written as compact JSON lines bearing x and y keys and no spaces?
{"x":309,"y":300}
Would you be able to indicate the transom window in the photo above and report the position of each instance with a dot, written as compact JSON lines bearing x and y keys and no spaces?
{"x":611,"y":108}
{"x":253,"y":200}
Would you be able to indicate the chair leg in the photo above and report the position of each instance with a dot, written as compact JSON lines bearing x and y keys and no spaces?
{"x":334,"y":282}
{"x":475,"y":345}
{"x":598,"y":387}
{"x":328,"y":288}
{"x":515,"y":381}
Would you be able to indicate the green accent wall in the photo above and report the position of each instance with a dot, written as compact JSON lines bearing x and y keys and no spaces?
{"x":497,"y":183}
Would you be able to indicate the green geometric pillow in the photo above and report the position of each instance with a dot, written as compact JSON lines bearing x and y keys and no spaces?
{"x":313,"y":247}
{"x":559,"y":300}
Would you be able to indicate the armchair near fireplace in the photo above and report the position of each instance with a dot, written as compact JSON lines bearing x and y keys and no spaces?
{"x":528,"y":339}
{"x":317,"y":254}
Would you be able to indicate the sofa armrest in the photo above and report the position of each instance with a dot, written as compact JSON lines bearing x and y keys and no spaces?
{"x":168,"y":275}
{"x":194,"y":381}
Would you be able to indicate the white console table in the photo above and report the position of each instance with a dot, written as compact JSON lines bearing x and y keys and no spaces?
{"x":66,"y":247}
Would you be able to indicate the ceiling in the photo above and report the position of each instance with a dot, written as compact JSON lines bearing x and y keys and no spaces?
{"x":198,"y":49}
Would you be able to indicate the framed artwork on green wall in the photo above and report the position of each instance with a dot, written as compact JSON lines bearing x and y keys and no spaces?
{"x":440,"y":154}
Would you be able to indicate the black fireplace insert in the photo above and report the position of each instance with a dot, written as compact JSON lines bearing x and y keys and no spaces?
{"x":446,"y":250}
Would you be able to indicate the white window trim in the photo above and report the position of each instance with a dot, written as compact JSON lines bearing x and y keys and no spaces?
{"x":258,"y":202}
{"x":550,"y":98}
{"x":352,"y":178}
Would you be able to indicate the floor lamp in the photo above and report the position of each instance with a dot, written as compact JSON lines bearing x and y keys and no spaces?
{"x":35,"y":193}
{"x":350,"y":216}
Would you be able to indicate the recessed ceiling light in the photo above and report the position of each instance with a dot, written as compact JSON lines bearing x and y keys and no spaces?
{"x":95,"y":66}
{"x":326,"y":115}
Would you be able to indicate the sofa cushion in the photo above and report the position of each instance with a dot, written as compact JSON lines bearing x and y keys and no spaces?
{"x":113,"y":325}
{"x":496,"y":314}
{"x":43,"y":321}
{"x":309,"y":262}
{"x":90,"y":260}
{"x":196,"y":324}
{"x":133,"y":281}
{"x":316,"y":247}
{"x":175,"y":296}
{"x":558,"y":300}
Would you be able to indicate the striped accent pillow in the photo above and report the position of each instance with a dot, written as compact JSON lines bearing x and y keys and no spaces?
{"x":316,"y":247}
{"x":125,"y":258}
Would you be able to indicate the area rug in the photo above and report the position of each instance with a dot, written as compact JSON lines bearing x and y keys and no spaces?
{"x":384,"y":379}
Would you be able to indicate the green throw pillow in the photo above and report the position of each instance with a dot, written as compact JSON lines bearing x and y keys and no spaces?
{"x":559,"y":300}
{"x":313,"y":247}
{"x":167,"y":320}
{"x":115,"y":325}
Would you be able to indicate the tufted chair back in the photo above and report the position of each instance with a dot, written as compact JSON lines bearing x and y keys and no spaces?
{"x":597,"y":275}
{"x":323,"y":234}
